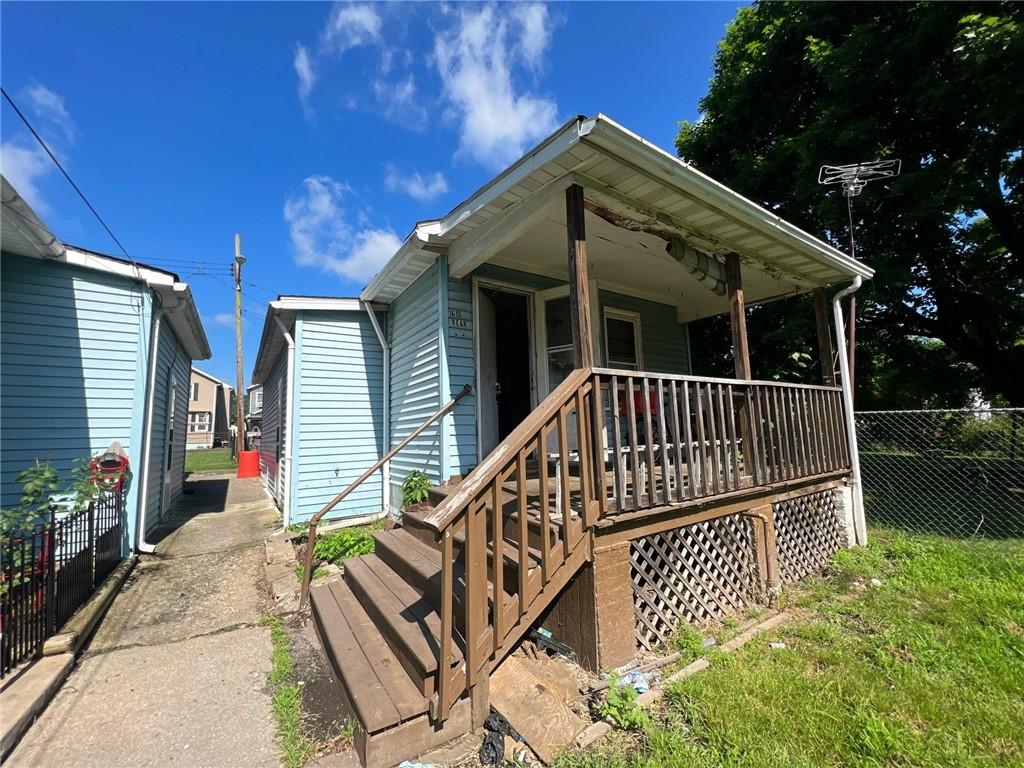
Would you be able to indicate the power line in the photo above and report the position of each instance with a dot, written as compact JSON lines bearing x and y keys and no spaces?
{"x":67,"y":176}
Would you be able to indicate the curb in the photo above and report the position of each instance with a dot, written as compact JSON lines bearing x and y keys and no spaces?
{"x":82,"y":624}
{"x":27,"y":694}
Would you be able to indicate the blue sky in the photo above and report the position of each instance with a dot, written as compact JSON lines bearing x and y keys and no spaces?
{"x":320,"y":132}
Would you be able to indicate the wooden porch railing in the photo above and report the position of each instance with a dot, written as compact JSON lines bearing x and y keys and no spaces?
{"x":672,"y":439}
{"x":604,"y":442}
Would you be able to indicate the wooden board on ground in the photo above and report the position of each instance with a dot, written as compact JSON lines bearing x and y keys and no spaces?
{"x":538,"y":712}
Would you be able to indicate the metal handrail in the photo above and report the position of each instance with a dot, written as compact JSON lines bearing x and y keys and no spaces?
{"x":311,"y":541}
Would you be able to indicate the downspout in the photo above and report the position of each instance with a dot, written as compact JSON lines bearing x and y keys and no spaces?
{"x":288,"y":425}
{"x":859,"y":523}
{"x":140,"y":536}
{"x":385,"y":470}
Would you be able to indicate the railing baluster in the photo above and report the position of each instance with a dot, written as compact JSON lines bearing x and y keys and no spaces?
{"x":666,"y":496}
{"x":563,"y":473}
{"x":618,"y":457}
{"x":693,"y":475}
{"x":476,"y":587}
{"x":677,"y":439}
{"x":524,"y":532}
{"x":714,"y":448}
{"x":598,"y":446}
{"x":584,"y":453}
{"x":783,"y":405}
{"x":634,"y":453}
{"x":698,"y":395}
{"x":444,"y":667}
{"x":734,"y":448}
{"x":545,"y":517}
{"x":652,"y":473}
{"x":498,"y":561}
{"x":723,"y":439}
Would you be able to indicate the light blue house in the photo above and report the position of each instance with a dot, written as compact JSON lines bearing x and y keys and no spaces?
{"x":481,"y":296}
{"x":95,"y":350}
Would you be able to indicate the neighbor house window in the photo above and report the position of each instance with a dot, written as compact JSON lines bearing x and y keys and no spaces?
{"x":257,"y":404}
{"x":622,"y":339}
{"x":199,"y":421}
{"x":195,"y":390}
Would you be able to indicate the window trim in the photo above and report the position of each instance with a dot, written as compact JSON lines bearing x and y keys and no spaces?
{"x":628,"y":316}
{"x":195,"y":391}
{"x":194,"y":424}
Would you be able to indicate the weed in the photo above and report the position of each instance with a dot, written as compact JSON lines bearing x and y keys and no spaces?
{"x":414,"y":488}
{"x":318,"y":572}
{"x":286,"y":698}
{"x":620,"y":705}
{"x":336,"y":546}
{"x":688,"y":642}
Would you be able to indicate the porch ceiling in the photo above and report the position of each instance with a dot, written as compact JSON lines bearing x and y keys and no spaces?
{"x":636,"y":264}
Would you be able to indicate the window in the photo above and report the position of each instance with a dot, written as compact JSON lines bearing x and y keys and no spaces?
{"x":199,"y":421}
{"x":622,"y":339}
{"x":195,"y":390}
{"x":171,"y":414}
{"x":257,"y":401}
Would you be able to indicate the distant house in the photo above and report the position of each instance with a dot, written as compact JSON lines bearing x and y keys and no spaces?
{"x":320,"y":368}
{"x":95,"y":350}
{"x":254,"y":415}
{"x":209,"y":402}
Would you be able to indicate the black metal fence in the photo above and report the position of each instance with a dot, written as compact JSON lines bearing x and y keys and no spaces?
{"x":49,"y":570}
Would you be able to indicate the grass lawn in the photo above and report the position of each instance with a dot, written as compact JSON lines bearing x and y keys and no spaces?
{"x":210,"y":460}
{"x":925,"y":670}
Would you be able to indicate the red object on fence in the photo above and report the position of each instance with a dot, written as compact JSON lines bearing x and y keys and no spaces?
{"x":248,"y":464}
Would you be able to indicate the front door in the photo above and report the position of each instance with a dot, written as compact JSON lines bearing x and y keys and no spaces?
{"x":503,"y":353}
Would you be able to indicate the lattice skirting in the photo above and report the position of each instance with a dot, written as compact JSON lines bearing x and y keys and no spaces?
{"x":693,"y":574}
{"x":808,"y":531}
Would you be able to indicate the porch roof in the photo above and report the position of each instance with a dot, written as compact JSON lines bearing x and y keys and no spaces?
{"x":639,"y":199}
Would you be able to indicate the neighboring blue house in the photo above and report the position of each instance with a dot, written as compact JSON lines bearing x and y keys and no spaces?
{"x":481,"y":296}
{"x":95,"y":350}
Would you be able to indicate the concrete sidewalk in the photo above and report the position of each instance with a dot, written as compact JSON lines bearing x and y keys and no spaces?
{"x":177,"y":672}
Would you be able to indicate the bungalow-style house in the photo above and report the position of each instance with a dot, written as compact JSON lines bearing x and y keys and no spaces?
{"x":590,"y":481}
{"x":209,"y":403}
{"x":96,"y":350}
{"x":253,"y":414}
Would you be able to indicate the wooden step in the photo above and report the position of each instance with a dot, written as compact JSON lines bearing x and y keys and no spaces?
{"x":408,"y":620}
{"x":510,"y":515}
{"x":510,"y":551}
{"x":376,"y":684}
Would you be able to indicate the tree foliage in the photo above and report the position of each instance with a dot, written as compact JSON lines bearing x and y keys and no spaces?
{"x":939,"y":85}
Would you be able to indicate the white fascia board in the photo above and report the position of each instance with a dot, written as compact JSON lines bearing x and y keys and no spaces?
{"x":152,"y":277}
{"x":185,"y":323}
{"x":608,"y":135}
{"x":300,"y":303}
{"x":28,"y":223}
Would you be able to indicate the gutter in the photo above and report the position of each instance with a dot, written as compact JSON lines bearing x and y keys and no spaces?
{"x":386,"y":468}
{"x":289,"y":425}
{"x":859,"y":522}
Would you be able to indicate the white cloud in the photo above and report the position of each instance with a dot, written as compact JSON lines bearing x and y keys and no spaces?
{"x":307,"y":75}
{"x":475,"y":60}
{"x":350,"y":25}
{"x":397,"y":102}
{"x":49,"y":107}
{"x":322,"y":237}
{"x":24,"y":166}
{"x":223,"y":318}
{"x":415,"y":184}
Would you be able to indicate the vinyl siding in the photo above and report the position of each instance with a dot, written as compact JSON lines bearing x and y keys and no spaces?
{"x":461,"y":371}
{"x":274,"y":403}
{"x":73,"y":356}
{"x":664,"y":339}
{"x":339,"y":431}
{"x":416,"y":377}
{"x":173,"y":371}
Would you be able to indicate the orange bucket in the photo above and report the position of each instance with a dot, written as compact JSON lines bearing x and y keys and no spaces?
{"x":248,"y":464}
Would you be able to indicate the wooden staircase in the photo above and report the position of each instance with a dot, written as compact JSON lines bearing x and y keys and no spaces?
{"x":414,"y":629}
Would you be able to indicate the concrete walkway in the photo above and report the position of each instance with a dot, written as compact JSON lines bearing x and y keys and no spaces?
{"x":176,"y":674}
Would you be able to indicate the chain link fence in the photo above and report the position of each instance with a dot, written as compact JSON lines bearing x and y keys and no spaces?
{"x":954,"y":472}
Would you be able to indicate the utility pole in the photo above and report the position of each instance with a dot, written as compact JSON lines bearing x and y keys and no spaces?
{"x":236,"y":269}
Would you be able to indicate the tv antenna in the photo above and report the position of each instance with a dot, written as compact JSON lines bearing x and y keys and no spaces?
{"x":853,"y":178}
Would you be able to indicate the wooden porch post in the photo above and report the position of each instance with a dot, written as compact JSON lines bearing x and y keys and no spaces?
{"x":579,"y":278}
{"x":825,"y":350}
{"x":737,"y":315}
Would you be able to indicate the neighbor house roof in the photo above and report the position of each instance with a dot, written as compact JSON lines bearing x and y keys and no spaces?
{"x":284,"y":309}
{"x":24,"y":234}
{"x":619,"y":171}
{"x":214,"y":379}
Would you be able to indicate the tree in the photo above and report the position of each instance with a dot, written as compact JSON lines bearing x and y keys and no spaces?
{"x":939,"y":85}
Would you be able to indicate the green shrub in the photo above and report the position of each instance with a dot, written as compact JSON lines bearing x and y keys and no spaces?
{"x":414,"y":488}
